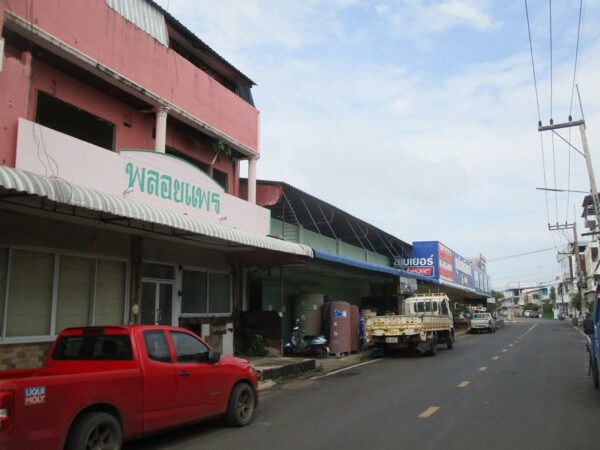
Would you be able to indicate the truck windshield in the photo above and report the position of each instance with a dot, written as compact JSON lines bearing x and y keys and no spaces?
{"x":93,"y":348}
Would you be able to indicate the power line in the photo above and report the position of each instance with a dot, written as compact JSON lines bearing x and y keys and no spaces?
{"x":551,"y":71}
{"x":571,"y":104}
{"x":521,"y":254}
{"x":537,"y":98}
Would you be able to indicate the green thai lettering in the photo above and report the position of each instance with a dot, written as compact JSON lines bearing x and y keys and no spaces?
{"x":135,"y":175}
{"x":166,"y":187}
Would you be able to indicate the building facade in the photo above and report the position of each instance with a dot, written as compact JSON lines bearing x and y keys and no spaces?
{"x":120,"y":146}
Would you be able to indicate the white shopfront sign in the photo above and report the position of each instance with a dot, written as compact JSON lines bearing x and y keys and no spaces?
{"x":146,"y":176}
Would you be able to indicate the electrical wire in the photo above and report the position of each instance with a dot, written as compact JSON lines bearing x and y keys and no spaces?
{"x":571,"y":104}
{"x":537,"y":97}
{"x":520,"y":254}
{"x":551,"y":68}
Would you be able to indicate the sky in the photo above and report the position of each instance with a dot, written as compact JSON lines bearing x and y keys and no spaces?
{"x":420,"y":116}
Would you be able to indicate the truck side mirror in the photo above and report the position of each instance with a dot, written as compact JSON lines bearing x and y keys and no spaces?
{"x":588,"y":326}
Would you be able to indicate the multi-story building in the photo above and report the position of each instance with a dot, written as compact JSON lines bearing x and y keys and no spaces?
{"x":121,"y":136}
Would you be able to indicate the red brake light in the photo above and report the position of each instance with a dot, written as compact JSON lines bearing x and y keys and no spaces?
{"x":7,"y":411}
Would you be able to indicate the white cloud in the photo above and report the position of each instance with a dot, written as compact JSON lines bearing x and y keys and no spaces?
{"x":452,"y":156}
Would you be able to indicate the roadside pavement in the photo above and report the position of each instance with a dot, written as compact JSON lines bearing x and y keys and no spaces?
{"x":272,"y":370}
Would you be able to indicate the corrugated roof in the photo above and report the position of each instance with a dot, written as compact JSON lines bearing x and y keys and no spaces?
{"x":60,"y":191}
{"x":329,"y":205}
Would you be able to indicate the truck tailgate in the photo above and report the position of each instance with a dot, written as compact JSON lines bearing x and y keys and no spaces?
{"x":46,"y":405}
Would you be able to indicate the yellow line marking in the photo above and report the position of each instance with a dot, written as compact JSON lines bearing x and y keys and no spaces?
{"x":428,"y":412}
{"x":495,"y":358}
{"x":482,"y":369}
{"x":504,"y":350}
{"x":463,"y":384}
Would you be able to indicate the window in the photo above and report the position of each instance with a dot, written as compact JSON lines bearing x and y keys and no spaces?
{"x":160,"y":271}
{"x":75,"y":291}
{"x":30,"y":294}
{"x":156,"y":346}
{"x":205,"y":292}
{"x":221,"y":178}
{"x":194,"y":298}
{"x":444,"y":308}
{"x":97,"y":347}
{"x":188,"y":348}
{"x":68,"y":119}
{"x":219,"y":293}
{"x":80,"y":290}
{"x":110,"y":293}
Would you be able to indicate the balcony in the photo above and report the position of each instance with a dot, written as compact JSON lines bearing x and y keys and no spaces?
{"x":109,"y":46}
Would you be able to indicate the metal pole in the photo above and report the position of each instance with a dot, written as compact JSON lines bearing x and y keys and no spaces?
{"x":579,"y":271}
{"x":590,"y":170}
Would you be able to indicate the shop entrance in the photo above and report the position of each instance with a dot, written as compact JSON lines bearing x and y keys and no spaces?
{"x":157,"y":302}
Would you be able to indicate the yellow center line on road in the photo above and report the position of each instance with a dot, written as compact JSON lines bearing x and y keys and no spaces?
{"x":483,"y":369}
{"x":428,"y":412}
{"x":463,"y":384}
{"x":495,"y":358}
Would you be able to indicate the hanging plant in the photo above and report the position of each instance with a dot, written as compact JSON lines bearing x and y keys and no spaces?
{"x":221,"y":148}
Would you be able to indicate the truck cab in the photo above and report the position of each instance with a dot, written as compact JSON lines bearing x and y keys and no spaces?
{"x":437,"y":305}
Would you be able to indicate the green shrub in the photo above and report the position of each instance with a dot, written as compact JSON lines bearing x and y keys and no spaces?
{"x":258,"y":346}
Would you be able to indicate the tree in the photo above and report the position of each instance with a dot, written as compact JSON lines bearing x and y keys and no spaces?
{"x":498,"y":295}
{"x":552,"y":295}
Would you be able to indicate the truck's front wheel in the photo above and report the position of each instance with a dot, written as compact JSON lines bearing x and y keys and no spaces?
{"x":95,"y":430}
{"x":450,"y":343}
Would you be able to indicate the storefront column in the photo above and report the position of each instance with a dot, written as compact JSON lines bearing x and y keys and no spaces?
{"x":252,"y":179}
{"x":137,"y":245}
{"x":161,"y":128}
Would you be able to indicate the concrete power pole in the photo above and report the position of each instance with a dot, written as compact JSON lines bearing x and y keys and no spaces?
{"x":580,"y":274}
{"x":592,"y":180}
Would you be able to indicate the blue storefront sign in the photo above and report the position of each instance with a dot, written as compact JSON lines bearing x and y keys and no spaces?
{"x":433,"y":259}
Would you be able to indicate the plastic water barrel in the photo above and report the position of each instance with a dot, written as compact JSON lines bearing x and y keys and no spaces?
{"x":339,"y":319}
{"x":354,"y":329}
{"x":308,"y":308}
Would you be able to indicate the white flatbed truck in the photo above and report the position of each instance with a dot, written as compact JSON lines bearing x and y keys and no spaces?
{"x":425,"y":320}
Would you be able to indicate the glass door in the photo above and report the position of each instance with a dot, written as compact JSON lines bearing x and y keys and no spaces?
{"x":157,"y":302}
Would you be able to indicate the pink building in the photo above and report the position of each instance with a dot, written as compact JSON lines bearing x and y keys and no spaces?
{"x":121,"y":136}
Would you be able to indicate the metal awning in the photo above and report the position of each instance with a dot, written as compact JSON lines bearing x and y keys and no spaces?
{"x":15,"y":183}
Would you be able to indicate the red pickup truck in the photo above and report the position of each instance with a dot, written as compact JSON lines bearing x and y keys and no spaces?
{"x":104,"y":385}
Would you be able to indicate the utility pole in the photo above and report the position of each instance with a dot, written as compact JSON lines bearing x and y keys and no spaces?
{"x":592,"y":180}
{"x":579,"y":275}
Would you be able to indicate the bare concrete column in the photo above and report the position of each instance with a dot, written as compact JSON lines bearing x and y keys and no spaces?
{"x":252,"y":179}
{"x":161,"y":128}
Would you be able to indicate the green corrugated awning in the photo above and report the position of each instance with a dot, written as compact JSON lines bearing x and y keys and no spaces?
{"x":62,"y":192}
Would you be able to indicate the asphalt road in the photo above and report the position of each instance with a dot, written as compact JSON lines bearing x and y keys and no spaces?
{"x":524,"y":387}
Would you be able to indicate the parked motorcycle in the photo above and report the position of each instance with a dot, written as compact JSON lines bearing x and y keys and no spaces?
{"x":305,"y":345}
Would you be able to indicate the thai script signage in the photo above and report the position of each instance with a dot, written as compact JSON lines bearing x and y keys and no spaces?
{"x":446,"y":258}
{"x":167,"y":187}
{"x":434,"y":259}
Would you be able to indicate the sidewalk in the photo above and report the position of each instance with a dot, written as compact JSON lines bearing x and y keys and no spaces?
{"x":271,"y":368}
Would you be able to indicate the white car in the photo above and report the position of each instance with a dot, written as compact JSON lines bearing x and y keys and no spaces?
{"x":527,"y":312}
{"x":483,"y":321}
